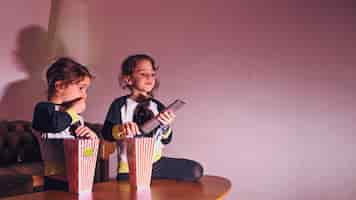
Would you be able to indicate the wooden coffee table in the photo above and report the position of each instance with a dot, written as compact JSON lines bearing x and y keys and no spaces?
{"x":209,"y":187}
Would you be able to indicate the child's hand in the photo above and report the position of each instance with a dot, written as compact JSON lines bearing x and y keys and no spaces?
{"x":84,"y":131}
{"x":130,"y":129}
{"x":78,"y":106}
{"x":166,"y":117}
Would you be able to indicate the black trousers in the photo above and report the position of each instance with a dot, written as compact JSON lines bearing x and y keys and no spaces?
{"x":173,"y":168}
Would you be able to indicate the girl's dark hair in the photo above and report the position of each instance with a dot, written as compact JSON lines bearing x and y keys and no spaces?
{"x":128,"y":67}
{"x":66,"y":70}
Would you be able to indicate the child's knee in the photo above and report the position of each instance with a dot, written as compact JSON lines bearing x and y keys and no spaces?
{"x":197,"y":171}
{"x":194,"y":171}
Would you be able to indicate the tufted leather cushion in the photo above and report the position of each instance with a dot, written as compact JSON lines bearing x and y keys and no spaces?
{"x":17,"y":143}
{"x":95,"y":127}
{"x":20,"y":159}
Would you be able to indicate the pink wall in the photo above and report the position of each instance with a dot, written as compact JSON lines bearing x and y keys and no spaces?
{"x":23,"y":39}
{"x":270,"y":86}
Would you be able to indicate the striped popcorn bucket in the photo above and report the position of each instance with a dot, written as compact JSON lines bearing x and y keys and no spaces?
{"x":140,"y":158}
{"x":80,"y":156}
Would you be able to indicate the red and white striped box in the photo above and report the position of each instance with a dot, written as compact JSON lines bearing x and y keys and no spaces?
{"x":80,"y":156}
{"x":140,"y":158}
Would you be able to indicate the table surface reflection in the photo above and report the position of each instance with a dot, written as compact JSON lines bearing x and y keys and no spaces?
{"x":208,"y":187}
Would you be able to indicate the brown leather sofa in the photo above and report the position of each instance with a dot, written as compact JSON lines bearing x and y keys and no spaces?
{"x":21,"y":166}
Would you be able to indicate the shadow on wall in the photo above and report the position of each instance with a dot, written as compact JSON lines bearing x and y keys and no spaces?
{"x":32,"y":56}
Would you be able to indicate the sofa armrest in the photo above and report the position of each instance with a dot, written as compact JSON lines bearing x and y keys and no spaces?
{"x":107,"y":148}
